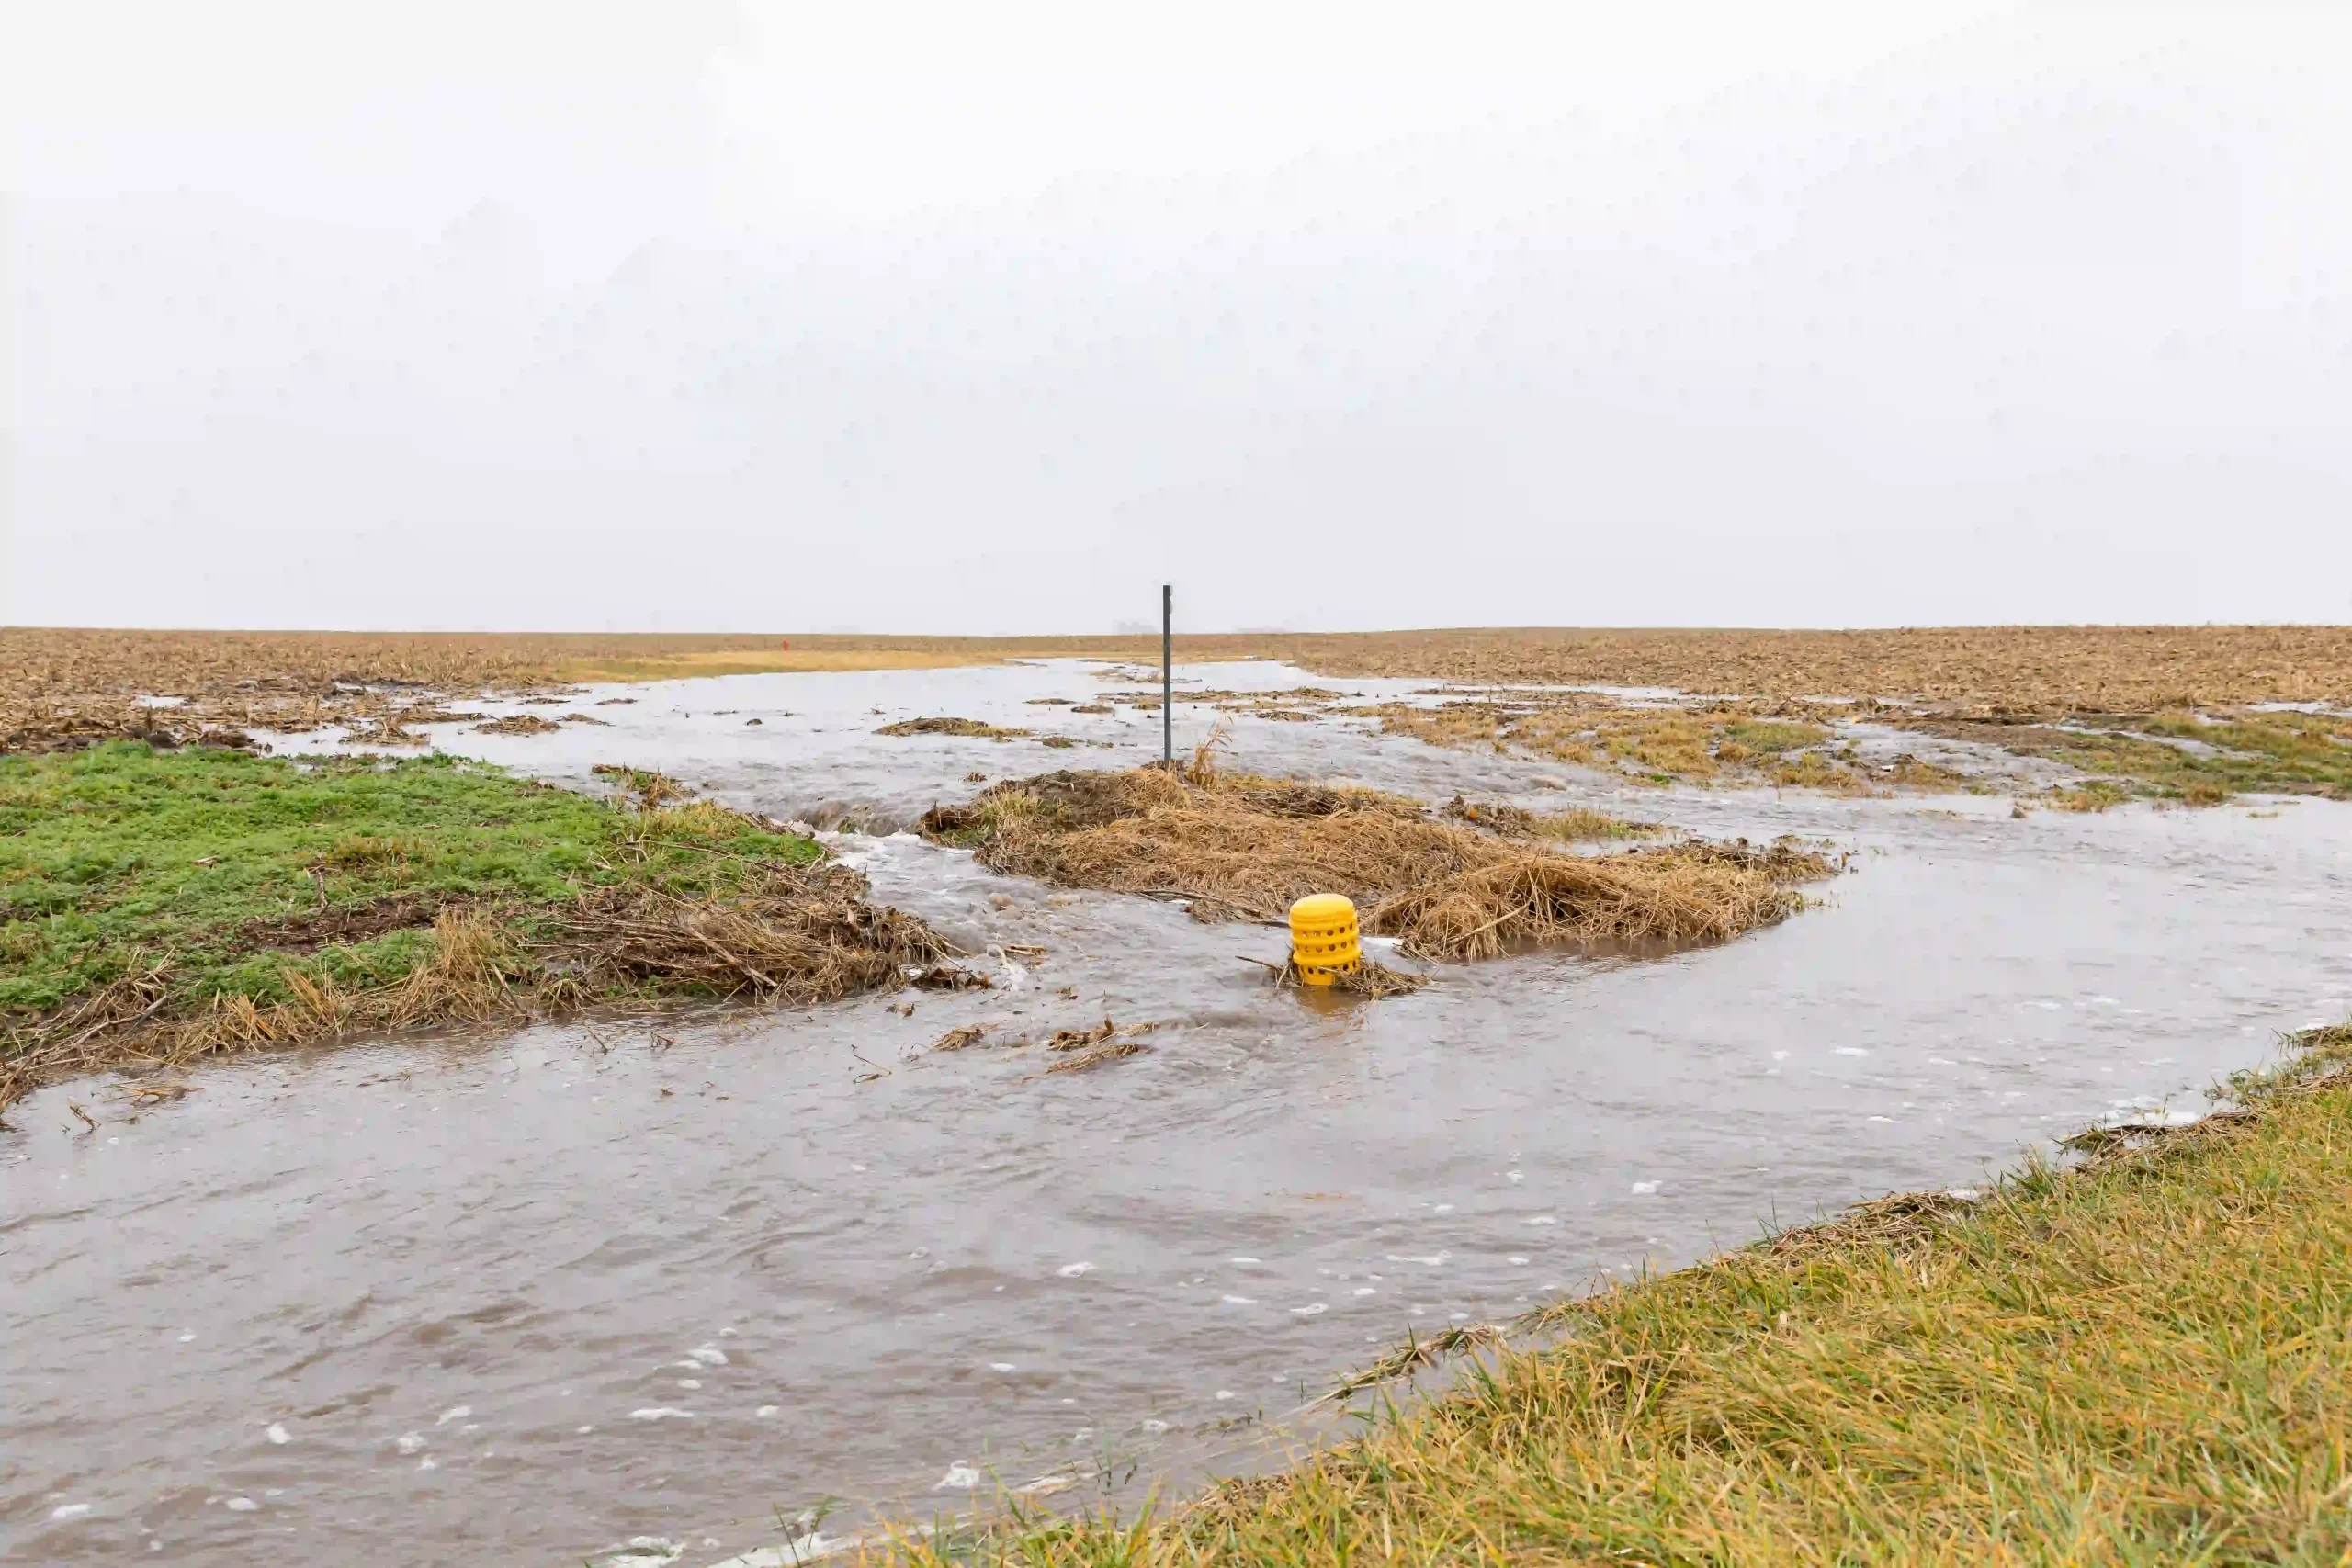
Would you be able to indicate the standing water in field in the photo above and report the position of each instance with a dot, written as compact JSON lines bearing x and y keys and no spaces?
{"x":632,"y":1292}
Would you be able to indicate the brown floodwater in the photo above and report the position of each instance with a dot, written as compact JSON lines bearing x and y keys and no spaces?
{"x":530,"y":1300}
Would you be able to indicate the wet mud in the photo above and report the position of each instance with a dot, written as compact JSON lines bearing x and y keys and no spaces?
{"x":531,"y":1299}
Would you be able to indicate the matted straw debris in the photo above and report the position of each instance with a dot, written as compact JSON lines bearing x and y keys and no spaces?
{"x":1241,"y":847}
{"x":971,"y":727}
{"x":1368,"y":978}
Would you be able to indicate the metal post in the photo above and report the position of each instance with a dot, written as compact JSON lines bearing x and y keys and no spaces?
{"x":1167,"y":675}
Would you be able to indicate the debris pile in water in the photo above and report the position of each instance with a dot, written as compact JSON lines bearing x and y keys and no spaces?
{"x":1236,"y":846}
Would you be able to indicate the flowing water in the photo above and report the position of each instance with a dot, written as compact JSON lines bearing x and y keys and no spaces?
{"x":528,"y":1300}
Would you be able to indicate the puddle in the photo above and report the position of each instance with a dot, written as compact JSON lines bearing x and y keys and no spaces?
{"x":538,"y":1299}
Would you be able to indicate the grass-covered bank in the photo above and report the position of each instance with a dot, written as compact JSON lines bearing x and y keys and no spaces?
{"x":2146,"y":1358}
{"x":160,"y":904}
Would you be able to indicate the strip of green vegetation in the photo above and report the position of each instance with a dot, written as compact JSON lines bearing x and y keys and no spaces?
{"x":1774,"y":736}
{"x":2186,"y":758}
{"x":236,"y":867}
{"x":2146,"y":1359}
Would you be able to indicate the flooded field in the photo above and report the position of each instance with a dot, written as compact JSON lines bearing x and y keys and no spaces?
{"x":631,"y":1293}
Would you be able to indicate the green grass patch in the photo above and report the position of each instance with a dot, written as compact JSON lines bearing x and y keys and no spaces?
{"x":241,"y":869}
{"x":2143,"y":1359}
{"x":2182,"y":757}
{"x":1773,"y":735}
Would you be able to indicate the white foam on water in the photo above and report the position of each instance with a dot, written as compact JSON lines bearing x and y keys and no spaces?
{"x":1154,"y":1426}
{"x":240,"y":1505}
{"x":1363,"y":1290}
{"x":1238,"y":1301}
{"x":69,"y":1511}
{"x":1851,"y":1051}
{"x":455,"y":1412}
{"x":960,"y":1477}
{"x":428,"y":1462}
{"x":1516,"y":1260}
{"x":409,"y":1442}
{"x":1427,"y":1259}
{"x":805,"y":1548}
{"x":1644,"y":1189}
{"x":1243,"y":1262}
{"x":1312,"y":1308}
{"x":661,"y":1412}
{"x":709,"y":1355}
{"x":1072,"y":1270}
{"x":690,"y":1383}
{"x":1554,"y":1219}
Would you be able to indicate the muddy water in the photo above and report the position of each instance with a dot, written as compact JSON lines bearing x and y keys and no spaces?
{"x":524,"y":1301}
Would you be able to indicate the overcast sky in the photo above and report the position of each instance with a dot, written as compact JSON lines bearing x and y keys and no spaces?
{"x":990,"y":317}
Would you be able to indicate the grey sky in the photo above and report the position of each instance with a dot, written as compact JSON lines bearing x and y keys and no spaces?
{"x":955,"y":318}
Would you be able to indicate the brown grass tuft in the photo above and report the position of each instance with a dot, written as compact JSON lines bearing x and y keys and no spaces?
{"x":801,"y":935}
{"x":1237,"y":846}
{"x":967,"y":727}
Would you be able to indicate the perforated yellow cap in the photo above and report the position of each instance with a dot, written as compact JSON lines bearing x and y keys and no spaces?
{"x":1322,"y":910}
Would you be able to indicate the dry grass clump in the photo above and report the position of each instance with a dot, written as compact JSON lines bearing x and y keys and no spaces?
{"x":967,"y":727}
{"x":1579,"y":824}
{"x":800,"y":934}
{"x":518,"y":724}
{"x":2142,"y":1360}
{"x":1676,"y":897}
{"x":1246,"y":847}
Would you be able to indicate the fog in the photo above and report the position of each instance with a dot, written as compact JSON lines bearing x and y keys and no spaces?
{"x":956,"y":318}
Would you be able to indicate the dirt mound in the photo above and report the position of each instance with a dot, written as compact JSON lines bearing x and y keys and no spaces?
{"x":1244,"y":847}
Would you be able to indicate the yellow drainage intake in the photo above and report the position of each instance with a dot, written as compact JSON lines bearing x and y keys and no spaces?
{"x":1323,"y":941}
